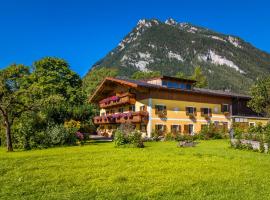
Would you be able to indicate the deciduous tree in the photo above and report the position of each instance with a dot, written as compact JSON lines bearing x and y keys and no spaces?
{"x":13,"y":101}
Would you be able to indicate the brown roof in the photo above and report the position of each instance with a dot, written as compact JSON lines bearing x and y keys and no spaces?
{"x":143,"y":84}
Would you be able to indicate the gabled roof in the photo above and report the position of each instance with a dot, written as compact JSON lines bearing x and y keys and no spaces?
{"x":142,"y":84}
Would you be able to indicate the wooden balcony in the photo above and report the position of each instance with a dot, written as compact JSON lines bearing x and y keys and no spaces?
{"x":119,"y":118}
{"x":117,"y":100}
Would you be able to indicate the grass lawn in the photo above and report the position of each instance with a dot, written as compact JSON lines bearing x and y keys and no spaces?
{"x":212,"y":170}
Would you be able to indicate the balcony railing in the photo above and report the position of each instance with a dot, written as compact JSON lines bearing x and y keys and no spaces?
{"x":117,"y":100}
{"x":119,"y":118}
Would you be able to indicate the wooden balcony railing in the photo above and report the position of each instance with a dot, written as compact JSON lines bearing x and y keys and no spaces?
{"x":119,"y":118}
{"x":126,"y":98}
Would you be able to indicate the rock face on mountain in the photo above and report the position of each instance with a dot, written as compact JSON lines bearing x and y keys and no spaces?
{"x":169,"y":47}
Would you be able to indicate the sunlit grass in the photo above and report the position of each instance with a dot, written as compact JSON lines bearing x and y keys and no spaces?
{"x":212,"y":170}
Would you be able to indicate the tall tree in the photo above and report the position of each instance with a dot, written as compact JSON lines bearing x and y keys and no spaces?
{"x":13,"y":101}
{"x":139,"y":75}
{"x":260,"y":93}
{"x":199,"y":77}
{"x":95,"y":77}
{"x":53,"y":82}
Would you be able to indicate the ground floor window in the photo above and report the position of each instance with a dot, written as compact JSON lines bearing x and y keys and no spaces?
{"x":175,"y":129}
{"x":189,"y":129}
{"x":143,"y":127}
{"x":252,"y":124}
{"x":160,"y":128}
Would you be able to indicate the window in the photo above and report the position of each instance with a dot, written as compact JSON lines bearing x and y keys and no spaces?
{"x":160,"y":108}
{"x":132,"y":108}
{"x":205,"y":111}
{"x":224,"y":108}
{"x":188,"y":86}
{"x":252,"y":124}
{"x":102,"y":114}
{"x":190,"y":110}
{"x":172,"y":84}
{"x":143,"y":127}
{"x":189,"y":129}
{"x":160,"y":128}
{"x":240,"y":120}
{"x":182,"y":86}
{"x":164,"y":83}
{"x":112,"y":111}
{"x":175,"y":128}
{"x":121,"y":110}
{"x":142,"y":108}
{"x":216,"y":123}
{"x":107,"y":112}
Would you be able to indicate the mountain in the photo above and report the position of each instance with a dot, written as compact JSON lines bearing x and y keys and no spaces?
{"x":169,"y":47}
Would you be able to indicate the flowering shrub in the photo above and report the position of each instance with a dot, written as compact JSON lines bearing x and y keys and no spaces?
{"x":79,"y":136}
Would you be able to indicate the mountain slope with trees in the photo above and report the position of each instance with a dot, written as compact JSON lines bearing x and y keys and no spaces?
{"x":170,"y":47}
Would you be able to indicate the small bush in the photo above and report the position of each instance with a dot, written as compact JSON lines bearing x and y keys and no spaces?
{"x":119,"y":138}
{"x":169,"y":137}
{"x":133,"y":138}
{"x":212,"y":132}
{"x":188,"y":138}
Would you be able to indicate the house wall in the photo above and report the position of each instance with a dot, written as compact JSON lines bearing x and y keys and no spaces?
{"x":176,"y":114}
{"x":256,"y":120}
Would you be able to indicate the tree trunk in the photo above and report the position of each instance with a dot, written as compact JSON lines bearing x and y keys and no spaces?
{"x":8,"y":136}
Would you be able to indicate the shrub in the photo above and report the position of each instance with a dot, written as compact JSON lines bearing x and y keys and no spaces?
{"x":119,"y":138}
{"x":72,"y":124}
{"x":188,"y":138}
{"x":212,"y":132}
{"x":133,"y":138}
{"x":169,"y":137}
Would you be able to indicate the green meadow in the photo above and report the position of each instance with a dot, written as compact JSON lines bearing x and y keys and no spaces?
{"x":161,"y":170}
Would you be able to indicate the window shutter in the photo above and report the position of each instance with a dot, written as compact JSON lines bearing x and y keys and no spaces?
{"x":185,"y":128}
{"x":187,"y":111}
{"x":179,"y":127}
{"x":156,"y":109}
{"x":195,"y":112}
{"x":164,"y":128}
{"x":210,"y":112}
{"x":202,"y":111}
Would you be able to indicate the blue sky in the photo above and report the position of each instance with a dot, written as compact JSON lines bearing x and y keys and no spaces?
{"x":83,"y":31}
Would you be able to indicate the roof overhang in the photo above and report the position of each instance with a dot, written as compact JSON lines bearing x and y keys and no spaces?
{"x":108,"y":83}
